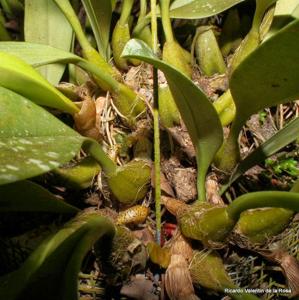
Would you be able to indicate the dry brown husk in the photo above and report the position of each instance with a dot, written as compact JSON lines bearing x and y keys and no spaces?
{"x":289,"y":265}
{"x":173,"y":205}
{"x":86,"y":120}
{"x":180,"y":246}
{"x":178,"y":282}
{"x":136,"y":214}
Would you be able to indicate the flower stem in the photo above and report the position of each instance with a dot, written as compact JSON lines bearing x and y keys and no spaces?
{"x":125,"y":11}
{"x":88,"y":51}
{"x":156,"y":126}
{"x":70,"y":14}
{"x":166,"y":22}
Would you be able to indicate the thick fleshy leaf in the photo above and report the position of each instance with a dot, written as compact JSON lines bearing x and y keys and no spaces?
{"x":287,"y":8}
{"x":128,"y":103}
{"x":196,"y":110}
{"x":29,"y":196}
{"x":53,"y":29}
{"x":29,"y":83}
{"x":51,"y":271}
{"x":285,"y":12}
{"x":198,"y":9}
{"x":279,"y":140}
{"x":32,"y":141}
{"x":267,"y":77}
{"x":37,"y":54}
{"x":99,"y":13}
{"x":259,"y":70}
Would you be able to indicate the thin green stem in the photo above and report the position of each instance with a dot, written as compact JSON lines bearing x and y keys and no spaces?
{"x":125,"y":11}
{"x":166,"y":22}
{"x":112,"y":84}
{"x":156,"y":127}
{"x":154,"y":26}
{"x":287,"y":200}
{"x":140,"y":25}
{"x":70,"y":14}
{"x":96,"y":151}
{"x":201,"y":181}
{"x":142,"y":10}
{"x":261,"y":7}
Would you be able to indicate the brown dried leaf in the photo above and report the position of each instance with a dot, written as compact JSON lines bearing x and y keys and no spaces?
{"x":144,"y":235}
{"x":181,"y":136}
{"x":212,"y":190}
{"x":100,"y":106}
{"x":178,"y":282}
{"x":180,"y":246}
{"x":165,"y":186}
{"x":173,"y":205}
{"x":289,"y":265}
{"x":85,"y":120}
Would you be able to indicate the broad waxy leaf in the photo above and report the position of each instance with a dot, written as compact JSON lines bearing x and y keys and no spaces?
{"x":126,"y":100}
{"x":279,"y":140}
{"x":53,"y":29}
{"x":266,"y":77}
{"x":285,"y":12}
{"x":99,"y":13}
{"x":32,"y":141}
{"x":287,"y":8}
{"x":29,"y":83}
{"x":196,"y":110}
{"x":37,"y":54}
{"x":29,"y":196}
{"x":51,"y":271}
{"x":271,"y":80}
{"x":198,"y":9}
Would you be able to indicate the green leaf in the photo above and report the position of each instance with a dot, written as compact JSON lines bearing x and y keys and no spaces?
{"x":29,"y":83}
{"x":29,"y":196}
{"x":267,"y":77}
{"x":53,"y":29}
{"x":32,"y":141}
{"x":199,"y":9}
{"x":279,"y":140}
{"x":37,"y":54}
{"x":79,"y":176}
{"x":268,"y":87}
{"x":287,"y":8}
{"x":99,"y":13}
{"x":196,"y":110}
{"x":128,"y":103}
{"x":51,"y":271}
{"x":285,"y":12}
